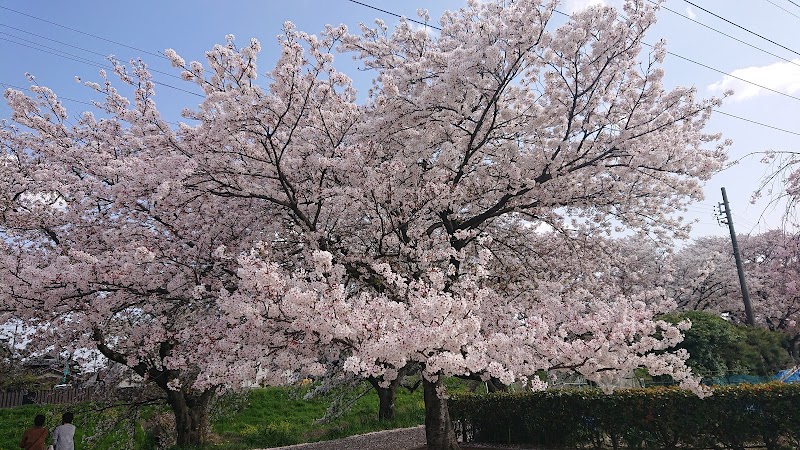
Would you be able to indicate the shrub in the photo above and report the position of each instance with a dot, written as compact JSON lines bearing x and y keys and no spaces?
{"x":718,"y":348}
{"x":653,"y":418}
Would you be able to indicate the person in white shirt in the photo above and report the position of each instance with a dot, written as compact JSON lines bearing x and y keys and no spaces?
{"x":64,"y":434}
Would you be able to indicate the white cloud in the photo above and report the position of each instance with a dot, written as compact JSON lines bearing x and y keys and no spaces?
{"x":780,"y":76}
{"x":690,"y":13}
{"x":428,"y":29}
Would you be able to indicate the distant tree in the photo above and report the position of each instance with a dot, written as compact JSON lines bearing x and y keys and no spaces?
{"x":775,"y":260}
{"x":781,"y":182}
{"x":706,"y":279}
{"x":639,"y":263}
{"x":718,"y":347}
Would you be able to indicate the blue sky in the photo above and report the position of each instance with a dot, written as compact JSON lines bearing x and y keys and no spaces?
{"x":193,"y":27}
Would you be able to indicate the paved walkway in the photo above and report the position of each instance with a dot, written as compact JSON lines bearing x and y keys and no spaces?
{"x":400,"y":439}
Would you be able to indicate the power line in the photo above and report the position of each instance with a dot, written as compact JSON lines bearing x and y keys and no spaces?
{"x":726,"y":34}
{"x":728,"y":74}
{"x":795,"y":4}
{"x":11,"y":86}
{"x":747,"y":222}
{"x":50,"y":39}
{"x":741,"y":27}
{"x":702,"y":207}
{"x":394,"y":14}
{"x":88,"y":62}
{"x":83,"y":32}
{"x":70,"y":45}
{"x":62,"y":55}
{"x":781,"y":7}
{"x":715,"y":70}
{"x":678,"y":56}
{"x":756,"y":123}
{"x":644,"y":43}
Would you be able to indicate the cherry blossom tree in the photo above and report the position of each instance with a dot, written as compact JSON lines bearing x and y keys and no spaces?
{"x":778,"y":253}
{"x":781,"y":182}
{"x":453,"y":221}
{"x":706,"y":279}
{"x":639,"y":262}
{"x":106,"y":246}
{"x":411,"y":220}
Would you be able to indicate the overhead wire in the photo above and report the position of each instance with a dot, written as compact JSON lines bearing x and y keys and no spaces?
{"x":86,"y":61}
{"x":51,"y":39}
{"x":742,"y":42}
{"x":70,"y":45}
{"x":79,"y":59}
{"x":702,"y":210}
{"x":19,"y":88}
{"x":756,"y":122}
{"x":781,"y":7}
{"x":160,"y":55}
{"x":775,"y":91}
{"x":668,"y":52}
{"x":712,"y":68}
{"x":66,"y":119}
{"x":46,"y":49}
{"x":702,"y":207}
{"x":744,"y":221}
{"x":741,"y":27}
{"x":725,"y":34}
{"x":395,"y":14}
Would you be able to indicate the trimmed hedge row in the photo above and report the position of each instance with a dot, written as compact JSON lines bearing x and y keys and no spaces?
{"x":735,"y":417}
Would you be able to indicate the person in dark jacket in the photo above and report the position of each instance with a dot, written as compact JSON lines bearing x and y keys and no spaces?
{"x":33,"y":438}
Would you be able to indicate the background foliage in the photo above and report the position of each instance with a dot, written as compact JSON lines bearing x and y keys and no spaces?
{"x":718,"y":348}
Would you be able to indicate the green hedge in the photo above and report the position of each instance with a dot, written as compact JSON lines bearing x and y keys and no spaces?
{"x":656,"y":418}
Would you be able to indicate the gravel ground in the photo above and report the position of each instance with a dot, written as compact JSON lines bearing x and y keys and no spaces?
{"x":400,"y":439}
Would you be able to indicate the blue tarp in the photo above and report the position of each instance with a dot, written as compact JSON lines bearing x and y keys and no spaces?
{"x":789,"y":376}
{"x":735,"y":379}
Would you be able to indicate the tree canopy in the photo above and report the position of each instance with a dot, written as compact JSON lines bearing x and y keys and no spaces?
{"x":455,"y":219}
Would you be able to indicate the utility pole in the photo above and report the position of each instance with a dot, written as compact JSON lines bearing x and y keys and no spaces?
{"x":728,"y":220}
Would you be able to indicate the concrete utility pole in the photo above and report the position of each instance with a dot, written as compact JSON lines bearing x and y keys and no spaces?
{"x":728,"y":220}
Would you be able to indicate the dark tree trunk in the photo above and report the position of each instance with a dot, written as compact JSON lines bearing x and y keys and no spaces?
{"x":494,"y":385}
{"x":190,"y":408}
{"x":191,"y":416}
{"x":439,"y":431}
{"x":386,"y":397}
{"x":794,"y":346}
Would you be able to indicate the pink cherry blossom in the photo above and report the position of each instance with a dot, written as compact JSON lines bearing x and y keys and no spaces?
{"x":454,"y":220}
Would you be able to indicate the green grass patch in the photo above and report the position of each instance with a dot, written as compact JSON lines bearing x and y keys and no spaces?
{"x":97,"y":429}
{"x":262,"y":418}
{"x":280,"y":416}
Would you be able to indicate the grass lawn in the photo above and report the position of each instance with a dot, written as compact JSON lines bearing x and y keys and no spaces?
{"x":101,"y":430}
{"x":267,"y":417}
